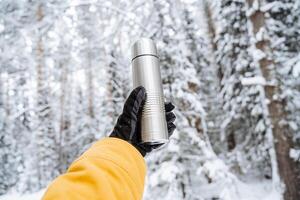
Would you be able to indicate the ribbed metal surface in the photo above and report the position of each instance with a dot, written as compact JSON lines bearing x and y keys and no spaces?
{"x":146,"y":73}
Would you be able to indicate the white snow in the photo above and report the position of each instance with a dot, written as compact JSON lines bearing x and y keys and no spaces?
{"x":15,"y":196}
{"x":296,"y":70}
{"x":258,"y":190}
{"x":295,"y":154}
{"x":254,"y":190}
{"x":258,"y":80}
{"x":258,"y":54}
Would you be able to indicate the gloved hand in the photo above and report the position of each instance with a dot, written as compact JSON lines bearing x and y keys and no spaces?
{"x":128,"y":124}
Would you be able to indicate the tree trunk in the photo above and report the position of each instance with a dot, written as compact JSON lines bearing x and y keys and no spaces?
{"x":63,"y":122}
{"x":282,"y":134}
{"x":40,"y":103}
{"x":213,"y":86}
{"x":45,"y":134}
{"x":89,"y":75}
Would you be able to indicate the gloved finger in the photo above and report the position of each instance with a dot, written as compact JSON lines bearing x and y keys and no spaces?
{"x":155,"y":146}
{"x":171,"y":128}
{"x":134,"y":103}
{"x":169,"y":107}
{"x":170,"y":116}
{"x":144,"y":148}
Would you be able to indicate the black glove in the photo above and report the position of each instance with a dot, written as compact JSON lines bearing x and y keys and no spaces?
{"x":128,"y":124}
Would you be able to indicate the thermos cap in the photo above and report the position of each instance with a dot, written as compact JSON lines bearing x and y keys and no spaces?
{"x":143,"y":46}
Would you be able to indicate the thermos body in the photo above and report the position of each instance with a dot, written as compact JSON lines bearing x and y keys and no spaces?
{"x":146,"y":73}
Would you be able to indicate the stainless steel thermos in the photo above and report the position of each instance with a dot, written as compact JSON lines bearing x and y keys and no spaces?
{"x":146,"y":73}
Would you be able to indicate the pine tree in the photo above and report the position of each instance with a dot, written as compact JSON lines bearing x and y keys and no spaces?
{"x":8,"y":167}
{"x":210,"y":78}
{"x":282,"y":28}
{"x":10,"y":155}
{"x":245,"y":125}
{"x":45,"y":133}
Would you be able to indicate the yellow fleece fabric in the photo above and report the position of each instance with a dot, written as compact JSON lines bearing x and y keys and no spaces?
{"x":111,"y":169}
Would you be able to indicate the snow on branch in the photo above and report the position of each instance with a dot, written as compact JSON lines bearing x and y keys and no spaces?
{"x":258,"y":80}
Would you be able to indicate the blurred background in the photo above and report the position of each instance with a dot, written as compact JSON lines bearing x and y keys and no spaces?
{"x":231,"y":67}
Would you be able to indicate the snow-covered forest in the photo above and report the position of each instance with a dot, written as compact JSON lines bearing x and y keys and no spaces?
{"x":231,"y":67}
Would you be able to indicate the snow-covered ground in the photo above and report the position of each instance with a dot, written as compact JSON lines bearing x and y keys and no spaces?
{"x":33,"y":196}
{"x":261,"y":190}
{"x":258,"y":190}
{"x":252,"y":190}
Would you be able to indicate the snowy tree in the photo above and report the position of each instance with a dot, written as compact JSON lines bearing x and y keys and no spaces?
{"x":208,"y":74}
{"x":15,"y":72}
{"x":245,"y":125}
{"x":280,"y":27}
{"x":7,"y":144}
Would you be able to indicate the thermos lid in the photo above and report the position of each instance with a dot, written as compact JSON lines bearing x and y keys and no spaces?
{"x":143,"y":46}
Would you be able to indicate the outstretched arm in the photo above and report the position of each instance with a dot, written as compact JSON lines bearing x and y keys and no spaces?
{"x":111,"y":169}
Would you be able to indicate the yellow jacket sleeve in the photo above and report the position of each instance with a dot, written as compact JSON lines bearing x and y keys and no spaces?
{"x":111,"y":169}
